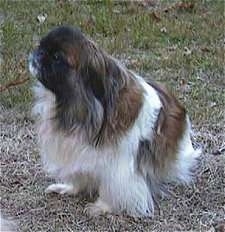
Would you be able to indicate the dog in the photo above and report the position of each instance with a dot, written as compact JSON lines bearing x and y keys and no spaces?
{"x":102,"y":127}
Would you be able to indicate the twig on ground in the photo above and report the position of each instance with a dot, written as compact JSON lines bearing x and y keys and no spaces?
{"x":13,"y":83}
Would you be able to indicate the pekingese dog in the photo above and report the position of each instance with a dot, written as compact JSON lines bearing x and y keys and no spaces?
{"x":102,"y":127}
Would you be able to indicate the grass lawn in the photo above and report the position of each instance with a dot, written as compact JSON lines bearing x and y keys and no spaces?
{"x":178,"y":43}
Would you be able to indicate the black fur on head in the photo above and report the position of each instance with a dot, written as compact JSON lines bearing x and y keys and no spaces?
{"x":85,"y":80}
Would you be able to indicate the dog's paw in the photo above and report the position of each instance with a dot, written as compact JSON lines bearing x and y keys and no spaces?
{"x":97,"y":208}
{"x":61,"y":189}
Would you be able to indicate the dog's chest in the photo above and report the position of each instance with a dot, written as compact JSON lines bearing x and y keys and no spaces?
{"x":64,"y":154}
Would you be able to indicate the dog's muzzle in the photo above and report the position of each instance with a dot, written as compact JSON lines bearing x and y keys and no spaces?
{"x":34,"y":60}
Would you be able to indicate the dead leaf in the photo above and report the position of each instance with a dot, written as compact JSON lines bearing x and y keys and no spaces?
{"x":187,"y":51}
{"x":163,"y":30}
{"x":41,"y":18}
{"x":184,"y":86}
{"x":155,"y":16}
{"x":116,"y":11}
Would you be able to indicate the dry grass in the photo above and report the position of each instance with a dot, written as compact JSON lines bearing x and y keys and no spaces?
{"x":198,"y":207}
{"x":183,"y":48}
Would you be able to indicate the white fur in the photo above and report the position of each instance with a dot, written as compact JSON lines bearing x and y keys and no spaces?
{"x":32,"y":69}
{"x":61,"y":188}
{"x":187,"y":158}
{"x":111,"y":169}
{"x":6,"y":225}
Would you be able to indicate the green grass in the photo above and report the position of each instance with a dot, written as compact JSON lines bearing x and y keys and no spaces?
{"x":127,"y":30}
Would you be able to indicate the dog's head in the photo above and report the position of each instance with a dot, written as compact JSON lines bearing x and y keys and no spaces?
{"x":91,"y":88}
{"x":64,"y":59}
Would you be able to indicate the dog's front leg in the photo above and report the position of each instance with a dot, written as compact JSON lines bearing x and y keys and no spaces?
{"x":71,"y":185}
{"x":62,"y":188}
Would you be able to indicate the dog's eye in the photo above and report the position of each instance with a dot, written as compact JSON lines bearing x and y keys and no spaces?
{"x":57,"y":56}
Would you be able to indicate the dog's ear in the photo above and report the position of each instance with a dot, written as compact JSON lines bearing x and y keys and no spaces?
{"x":101,"y":75}
{"x":93,"y":72}
{"x":93,"y":82}
{"x":103,"y":79}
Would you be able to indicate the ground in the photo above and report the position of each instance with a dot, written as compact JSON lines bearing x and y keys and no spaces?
{"x":179,"y":43}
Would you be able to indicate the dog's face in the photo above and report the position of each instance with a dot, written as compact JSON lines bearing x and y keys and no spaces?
{"x":55,"y":61}
{"x":63,"y":62}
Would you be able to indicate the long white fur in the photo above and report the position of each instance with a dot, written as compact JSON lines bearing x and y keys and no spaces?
{"x":112,"y":168}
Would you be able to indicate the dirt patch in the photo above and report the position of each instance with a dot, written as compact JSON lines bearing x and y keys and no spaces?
{"x":199,"y":207}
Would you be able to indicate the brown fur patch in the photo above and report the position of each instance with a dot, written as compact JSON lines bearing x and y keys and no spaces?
{"x":160,"y":152}
{"x":72,"y":55}
{"x":127,"y":109}
{"x":124,"y":111}
{"x":118,"y":91}
{"x":72,"y":59}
